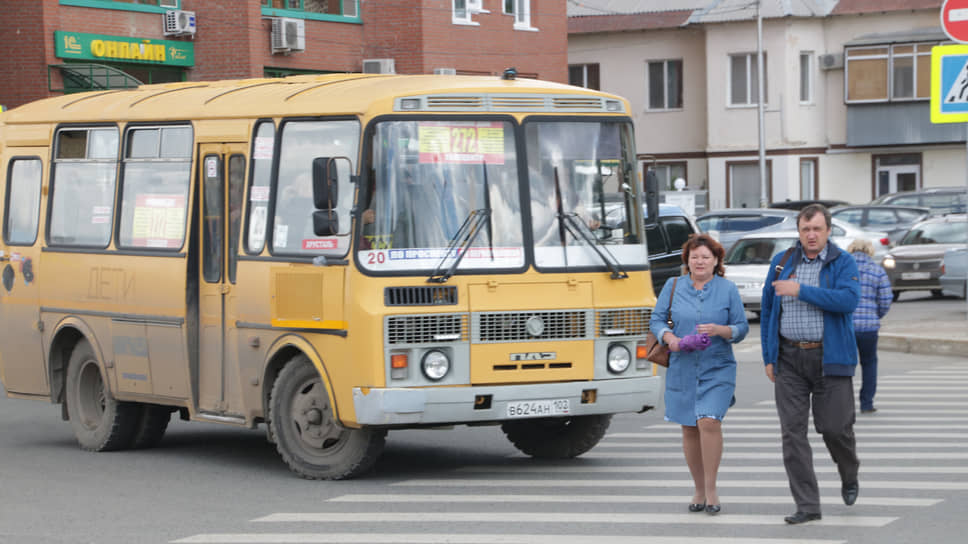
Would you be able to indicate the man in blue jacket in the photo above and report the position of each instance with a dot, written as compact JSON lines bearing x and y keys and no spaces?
{"x":809,"y":349}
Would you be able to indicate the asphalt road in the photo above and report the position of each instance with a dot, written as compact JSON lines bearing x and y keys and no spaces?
{"x":208,"y":483}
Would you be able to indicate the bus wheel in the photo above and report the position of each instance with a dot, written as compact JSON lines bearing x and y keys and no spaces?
{"x":151,"y":426}
{"x":556,"y":438}
{"x":307,"y":435}
{"x":100,"y":422}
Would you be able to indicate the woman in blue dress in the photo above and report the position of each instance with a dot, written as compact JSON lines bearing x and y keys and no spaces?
{"x":700,"y":384}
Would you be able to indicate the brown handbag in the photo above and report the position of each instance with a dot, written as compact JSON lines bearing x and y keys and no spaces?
{"x":656,"y":351}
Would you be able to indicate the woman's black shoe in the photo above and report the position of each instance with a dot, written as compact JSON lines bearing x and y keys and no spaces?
{"x":713,"y":509}
{"x":697,"y":507}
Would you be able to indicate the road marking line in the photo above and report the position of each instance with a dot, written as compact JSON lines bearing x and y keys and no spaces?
{"x":862,"y":434}
{"x":862,"y":444}
{"x":879,"y":417}
{"x":535,"y":466}
{"x":610,"y":499}
{"x":862,"y":426}
{"x":729,"y":455}
{"x":480,"y":538}
{"x":946,"y":403}
{"x":684,"y":482}
{"x":552,"y":517}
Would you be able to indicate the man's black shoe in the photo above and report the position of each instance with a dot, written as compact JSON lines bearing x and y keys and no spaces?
{"x":801,"y":517}
{"x":849,"y":492}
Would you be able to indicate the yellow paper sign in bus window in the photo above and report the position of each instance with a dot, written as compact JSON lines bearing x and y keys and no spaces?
{"x":459,"y":143}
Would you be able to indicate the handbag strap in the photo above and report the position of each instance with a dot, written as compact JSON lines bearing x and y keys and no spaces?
{"x":671,"y":295}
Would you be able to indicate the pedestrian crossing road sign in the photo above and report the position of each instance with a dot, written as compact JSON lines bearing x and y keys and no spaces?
{"x":949,"y":84}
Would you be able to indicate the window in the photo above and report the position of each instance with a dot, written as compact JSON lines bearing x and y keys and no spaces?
{"x":808,"y":179}
{"x":154,"y":187}
{"x":806,"y":77}
{"x":899,"y":72}
{"x":346,"y":8}
{"x":265,"y":135}
{"x":462,"y":13}
{"x":667,"y":173}
{"x":23,"y":203}
{"x":85,"y":168}
{"x":153,"y":6}
{"x":743,"y":82}
{"x":743,"y":184}
{"x":665,"y":84}
{"x":584,"y":75}
{"x":521,"y":9}
{"x":302,"y":142}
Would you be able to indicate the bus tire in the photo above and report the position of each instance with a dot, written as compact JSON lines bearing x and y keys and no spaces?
{"x":100,"y":422}
{"x":556,"y":437}
{"x":307,"y":435}
{"x":151,"y":426}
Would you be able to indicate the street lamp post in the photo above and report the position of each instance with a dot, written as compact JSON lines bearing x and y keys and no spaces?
{"x":764,"y":190}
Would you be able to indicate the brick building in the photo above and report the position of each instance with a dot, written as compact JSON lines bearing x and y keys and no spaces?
{"x":48,"y":47}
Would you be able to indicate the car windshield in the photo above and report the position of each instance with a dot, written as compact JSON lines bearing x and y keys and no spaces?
{"x":936,"y":233}
{"x":427,"y":179}
{"x":578,"y":174}
{"x":757,"y":250}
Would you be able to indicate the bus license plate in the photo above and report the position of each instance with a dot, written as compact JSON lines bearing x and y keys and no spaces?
{"x":915,"y":275}
{"x":539,"y":408}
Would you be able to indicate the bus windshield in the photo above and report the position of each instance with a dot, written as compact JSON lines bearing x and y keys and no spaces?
{"x":427,"y":179}
{"x":583,"y":170}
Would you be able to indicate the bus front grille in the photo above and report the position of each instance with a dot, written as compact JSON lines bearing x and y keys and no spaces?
{"x":531,"y":326}
{"x":426,"y":329}
{"x":622,"y":322}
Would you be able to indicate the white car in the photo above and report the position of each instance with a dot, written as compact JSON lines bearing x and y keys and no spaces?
{"x":748,"y":260}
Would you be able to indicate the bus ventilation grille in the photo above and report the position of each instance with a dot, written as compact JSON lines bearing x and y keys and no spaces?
{"x":420,"y":296}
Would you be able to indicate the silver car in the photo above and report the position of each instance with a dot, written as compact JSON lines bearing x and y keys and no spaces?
{"x":954,"y":272}
{"x":915,"y":263}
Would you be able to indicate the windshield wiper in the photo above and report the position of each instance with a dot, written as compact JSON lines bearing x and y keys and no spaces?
{"x":466,"y":234}
{"x":580,"y":230}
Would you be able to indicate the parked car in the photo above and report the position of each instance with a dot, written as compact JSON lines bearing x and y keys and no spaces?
{"x":954,"y":272}
{"x":748,"y":261}
{"x":915,"y":263}
{"x":894,"y":220}
{"x":801,"y":204}
{"x":940,"y":200}
{"x":664,"y":239}
{"x":730,"y":224}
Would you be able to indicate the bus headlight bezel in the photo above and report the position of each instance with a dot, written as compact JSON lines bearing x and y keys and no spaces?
{"x":435,"y":365}
{"x":618,"y":358}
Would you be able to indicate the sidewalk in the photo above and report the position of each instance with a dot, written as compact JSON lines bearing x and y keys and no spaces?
{"x":945,"y":334}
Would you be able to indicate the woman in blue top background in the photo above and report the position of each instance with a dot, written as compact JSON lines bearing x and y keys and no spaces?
{"x":875,"y":301}
{"x":700,"y":384}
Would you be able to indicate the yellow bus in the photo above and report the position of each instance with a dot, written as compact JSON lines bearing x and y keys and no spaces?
{"x":333,"y":256}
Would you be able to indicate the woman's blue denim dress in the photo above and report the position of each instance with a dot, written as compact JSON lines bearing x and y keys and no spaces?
{"x":700,"y":384}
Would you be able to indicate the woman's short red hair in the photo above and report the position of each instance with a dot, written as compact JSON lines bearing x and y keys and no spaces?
{"x":697,"y":240}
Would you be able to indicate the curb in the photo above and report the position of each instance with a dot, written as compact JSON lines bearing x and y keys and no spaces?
{"x":924,"y":345}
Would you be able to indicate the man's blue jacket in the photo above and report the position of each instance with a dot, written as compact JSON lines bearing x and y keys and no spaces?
{"x":837,"y":295}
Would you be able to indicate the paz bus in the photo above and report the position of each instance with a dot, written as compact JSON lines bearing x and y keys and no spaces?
{"x":332,"y":256}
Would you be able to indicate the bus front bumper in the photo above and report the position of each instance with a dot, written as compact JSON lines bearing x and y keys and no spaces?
{"x":455,"y":405}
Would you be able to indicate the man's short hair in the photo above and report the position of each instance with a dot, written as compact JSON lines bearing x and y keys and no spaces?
{"x":811,"y":210}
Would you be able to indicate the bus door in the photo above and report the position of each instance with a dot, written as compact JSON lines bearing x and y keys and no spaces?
{"x":221,"y":186}
{"x":21,"y":349}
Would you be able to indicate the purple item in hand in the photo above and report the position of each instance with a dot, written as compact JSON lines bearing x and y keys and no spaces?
{"x":694,"y":342}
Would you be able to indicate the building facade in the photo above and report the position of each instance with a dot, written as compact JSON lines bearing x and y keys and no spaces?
{"x":846,"y":87}
{"x":61,"y":46}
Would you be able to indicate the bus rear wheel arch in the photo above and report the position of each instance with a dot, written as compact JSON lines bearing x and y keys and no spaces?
{"x":303,"y":424}
{"x":100,"y":422}
{"x":556,"y":437}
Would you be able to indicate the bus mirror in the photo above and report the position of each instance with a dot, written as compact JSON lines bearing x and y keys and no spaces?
{"x":651,"y":197}
{"x":325,"y":183}
{"x":325,"y":222}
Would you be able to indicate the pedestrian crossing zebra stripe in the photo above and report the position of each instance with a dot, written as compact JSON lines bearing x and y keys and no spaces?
{"x":611,"y":499}
{"x":776,"y":426}
{"x":558,"y":518}
{"x":472,"y":538}
{"x":941,"y":403}
{"x":861,"y":445}
{"x":774,"y":456}
{"x":530,"y":466}
{"x":861,"y":435}
{"x":683,"y":482}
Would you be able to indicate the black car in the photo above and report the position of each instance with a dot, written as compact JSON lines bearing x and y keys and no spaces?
{"x":664,"y":238}
{"x":894,"y":220}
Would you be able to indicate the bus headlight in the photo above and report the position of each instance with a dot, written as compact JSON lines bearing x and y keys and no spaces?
{"x":435,"y":365}
{"x":619,"y":358}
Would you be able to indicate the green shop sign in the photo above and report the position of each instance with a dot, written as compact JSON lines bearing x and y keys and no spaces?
{"x":78,"y":45}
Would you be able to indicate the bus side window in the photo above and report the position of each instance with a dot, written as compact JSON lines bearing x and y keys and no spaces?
{"x":23,"y":201}
{"x":82,"y":186}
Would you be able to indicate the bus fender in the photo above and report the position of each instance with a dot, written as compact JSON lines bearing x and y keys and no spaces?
{"x":66,"y":334}
{"x":282,"y":350}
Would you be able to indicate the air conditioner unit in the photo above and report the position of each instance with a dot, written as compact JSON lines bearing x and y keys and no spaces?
{"x":475,"y":6}
{"x":379,"y":66}
{"x":445,"y":71}
{"x":288,"y":35}
{"x":831,"y":61}
{"x":179,"y":22}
